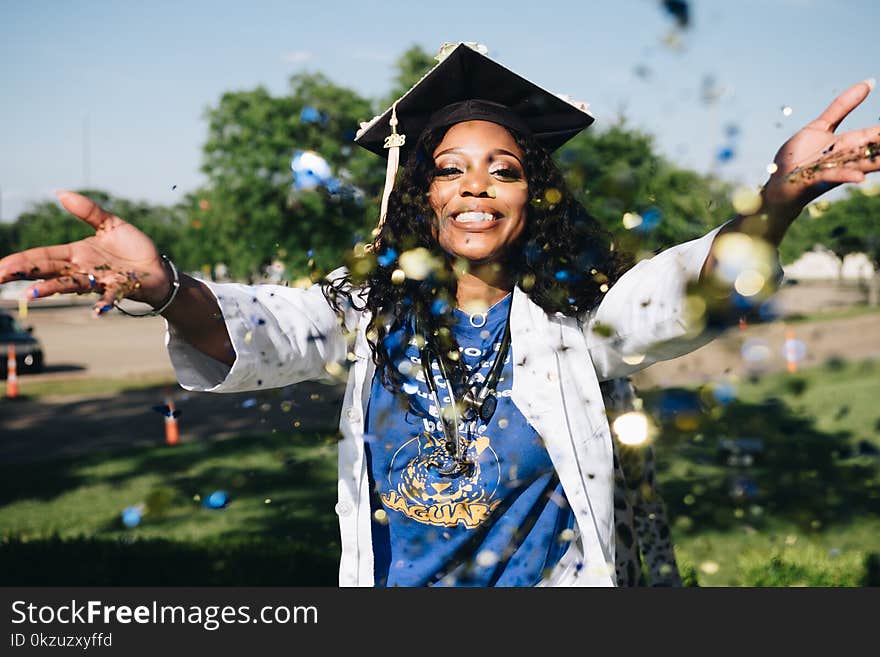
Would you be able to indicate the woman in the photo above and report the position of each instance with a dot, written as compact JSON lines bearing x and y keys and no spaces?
{"x":478,"y":326}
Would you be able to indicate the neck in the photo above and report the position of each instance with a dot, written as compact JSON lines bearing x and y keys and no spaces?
{"x":487,"y":284}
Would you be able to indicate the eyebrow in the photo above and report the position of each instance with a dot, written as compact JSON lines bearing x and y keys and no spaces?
{"x":496,"y":151}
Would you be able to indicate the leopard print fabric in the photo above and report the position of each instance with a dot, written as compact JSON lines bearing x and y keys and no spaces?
{"x":645,"y":554}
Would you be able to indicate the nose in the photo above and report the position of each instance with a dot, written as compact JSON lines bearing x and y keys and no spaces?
{"x":475,"y":182}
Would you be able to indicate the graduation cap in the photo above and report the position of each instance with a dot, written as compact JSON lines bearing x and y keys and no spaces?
{"x":466,"y":85}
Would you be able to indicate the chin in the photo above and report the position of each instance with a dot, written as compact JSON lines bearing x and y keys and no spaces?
{"x":474,"y":253}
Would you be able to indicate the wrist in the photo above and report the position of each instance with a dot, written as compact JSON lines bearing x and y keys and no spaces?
{"x":160,"y":304}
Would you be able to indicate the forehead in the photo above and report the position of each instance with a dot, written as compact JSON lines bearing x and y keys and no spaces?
{"x":478,"y":137}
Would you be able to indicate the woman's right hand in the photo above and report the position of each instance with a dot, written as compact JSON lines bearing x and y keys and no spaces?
{"x":119,"y":261}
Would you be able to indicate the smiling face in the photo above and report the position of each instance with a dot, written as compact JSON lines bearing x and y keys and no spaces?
{"x":479,"y":192}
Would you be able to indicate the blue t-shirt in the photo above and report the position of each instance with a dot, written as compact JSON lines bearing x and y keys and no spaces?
{"x":498,"y":525}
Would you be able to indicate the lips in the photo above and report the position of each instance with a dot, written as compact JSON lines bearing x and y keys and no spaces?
{"x":475,"y":219}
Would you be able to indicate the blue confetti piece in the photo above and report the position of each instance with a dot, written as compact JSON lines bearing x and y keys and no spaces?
{"x":562,"y":275}
{"x":387,"y":257}
{"x":131,"y":516}
{"x":725,"y":154}
{"x":310,"y":115}
{"x":248,"y":403}
{"x":219,"y":499}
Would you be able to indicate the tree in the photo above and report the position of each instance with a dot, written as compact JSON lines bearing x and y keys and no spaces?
{"x":850,"y":225}
{"x":248,"y":206}
{"x":410,"y":67}
{"x":615,"y":171}
{"x":47,"y":223}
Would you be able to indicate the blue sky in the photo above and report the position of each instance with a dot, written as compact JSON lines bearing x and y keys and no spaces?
{"x":141,"y":74}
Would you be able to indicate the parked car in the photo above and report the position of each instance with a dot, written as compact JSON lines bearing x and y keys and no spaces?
{"x":28,"y":350}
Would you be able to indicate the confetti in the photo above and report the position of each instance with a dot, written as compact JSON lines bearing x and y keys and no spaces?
{"x":709,"y":567}
{"x":786,"y":110}
{"x":132,"y":515}
{"x":679,"y":10}
{"x":772,"y":167}
{"x":219,"y":499}
{"x":310,"y":170}
{"x":631,"y":220}
{"x":632,"y":428}
{"x":746,"y":200}
{"x":755,"y":350}
{"x":417,"y":264}
{"x":487,"y":558}
{"x":22,"y":308}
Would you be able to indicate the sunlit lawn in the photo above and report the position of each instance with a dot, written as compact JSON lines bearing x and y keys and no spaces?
{"x":811,"y":516}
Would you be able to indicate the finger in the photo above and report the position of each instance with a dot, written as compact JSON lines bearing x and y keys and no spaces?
{"x":39,"y":262}
{"x":84,"y":208}
{"x":105,"y":302}
{"x":74,"y":284}
{"x":845,"y":103}
{"x":839,"y":176}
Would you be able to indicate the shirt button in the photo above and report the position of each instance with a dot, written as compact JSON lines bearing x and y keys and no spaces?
{"x":353,"y":414}
{"x":343,"y":509}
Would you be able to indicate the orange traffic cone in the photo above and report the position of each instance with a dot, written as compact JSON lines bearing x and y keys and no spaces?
{"x":172,"y":434}
{"x":11,"y":374}
{"x":790,"y":349}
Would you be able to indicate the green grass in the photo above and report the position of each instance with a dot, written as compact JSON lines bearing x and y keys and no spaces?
{"x":70,"y":387}
{"x":282,"y":489}
{"x":842,"y":313}
{"x":812,"y":518}
{"x":810,"y":511}
{"x":839,"y":396}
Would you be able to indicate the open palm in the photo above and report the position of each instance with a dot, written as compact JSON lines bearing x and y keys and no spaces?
{"x":117,"y":261}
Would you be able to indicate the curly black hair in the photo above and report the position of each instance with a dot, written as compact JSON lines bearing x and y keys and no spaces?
{"x":564,"y":260}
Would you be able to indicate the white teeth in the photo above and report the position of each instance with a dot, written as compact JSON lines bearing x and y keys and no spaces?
{"x":468,"y":217}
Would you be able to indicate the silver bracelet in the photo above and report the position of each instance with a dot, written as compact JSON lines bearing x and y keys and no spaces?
{"x":175,"y":286}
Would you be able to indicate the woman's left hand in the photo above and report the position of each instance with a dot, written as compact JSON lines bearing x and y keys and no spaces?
{"x":816,"y":159}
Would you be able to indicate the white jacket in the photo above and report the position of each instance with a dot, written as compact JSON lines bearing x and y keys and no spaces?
{"x":558,"y":363}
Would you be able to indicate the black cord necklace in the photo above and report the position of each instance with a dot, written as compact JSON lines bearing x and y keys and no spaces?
{"x":479,"y":401}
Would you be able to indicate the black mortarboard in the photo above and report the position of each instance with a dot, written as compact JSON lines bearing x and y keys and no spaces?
{"x":452,"y":92}
{"x":465,"y":86}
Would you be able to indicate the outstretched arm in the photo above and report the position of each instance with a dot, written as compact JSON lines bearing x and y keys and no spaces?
{"x":119,"y":261}
{"x":812,"y":162}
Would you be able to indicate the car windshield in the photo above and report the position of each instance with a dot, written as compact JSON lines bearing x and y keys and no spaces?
{"x":9,"y":325}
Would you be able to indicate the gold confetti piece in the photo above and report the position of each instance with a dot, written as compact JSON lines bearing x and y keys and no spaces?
{"x":633,"y":359}
{"x":248,"y":337}
{"x":268,"y":500}
{"x":603,"y":288}
{"x":381,"y":516}
{"x":746,"y":200}
{"x":22,"y":308}
{"x":553,"y":196}
{"x":709,"y":567}
{"x":487,"y":559}
{"x":772,"y":167}
{"x":398,"y":276}
{"x":632,"y":428}
{"x":631,"y":220}
{"x":418,"y":263}
{"x":749,"y":283}
{"x":567,"y":535}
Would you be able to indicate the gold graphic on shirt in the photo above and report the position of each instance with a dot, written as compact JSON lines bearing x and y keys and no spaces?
{"x":420,"y":492}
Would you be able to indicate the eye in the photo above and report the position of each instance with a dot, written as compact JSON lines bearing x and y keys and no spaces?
{"x":507,"y":174}
{"x":445,"y":172}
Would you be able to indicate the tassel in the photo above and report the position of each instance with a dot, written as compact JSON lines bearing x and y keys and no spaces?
{"x":393,"y":142}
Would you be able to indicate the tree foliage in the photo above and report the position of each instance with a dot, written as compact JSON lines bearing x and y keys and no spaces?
{"x":849,"y":225}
